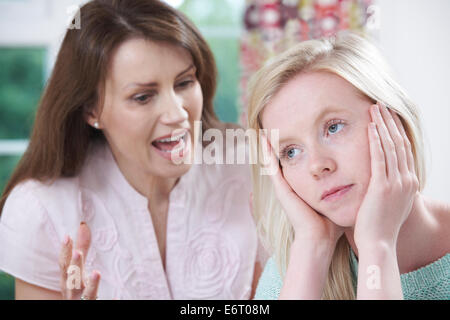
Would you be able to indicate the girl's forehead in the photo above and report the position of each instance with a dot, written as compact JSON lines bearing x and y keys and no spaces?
{"x":308,"y":92}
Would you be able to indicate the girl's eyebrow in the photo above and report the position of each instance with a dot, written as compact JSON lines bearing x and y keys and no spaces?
{"x":328,"y":109}
{"x":155,"y":84}
{"x":325,"y":111}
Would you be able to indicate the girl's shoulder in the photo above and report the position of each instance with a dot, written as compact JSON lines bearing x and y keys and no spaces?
{"x":440,"y":213}
{"x":270,"y":282}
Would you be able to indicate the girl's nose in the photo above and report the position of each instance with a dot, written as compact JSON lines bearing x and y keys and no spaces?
{"x":321,"y":165}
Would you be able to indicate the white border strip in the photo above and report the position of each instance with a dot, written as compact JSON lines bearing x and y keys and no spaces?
{"x":13,"y":147}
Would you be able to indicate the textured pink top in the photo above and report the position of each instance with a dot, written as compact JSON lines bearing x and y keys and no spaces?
{"x":211,"y":241}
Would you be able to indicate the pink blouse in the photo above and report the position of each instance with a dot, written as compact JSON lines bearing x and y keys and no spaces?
{"x":211,"y":243}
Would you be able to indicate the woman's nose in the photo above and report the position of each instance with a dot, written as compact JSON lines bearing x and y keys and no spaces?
{"x":174,"y":109}
{"x":322,"y":164}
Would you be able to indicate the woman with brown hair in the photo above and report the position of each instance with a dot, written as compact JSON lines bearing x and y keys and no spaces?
{"x":119,"y":108}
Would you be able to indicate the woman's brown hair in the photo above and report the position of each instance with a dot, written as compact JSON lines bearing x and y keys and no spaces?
{"x":61,"y":136}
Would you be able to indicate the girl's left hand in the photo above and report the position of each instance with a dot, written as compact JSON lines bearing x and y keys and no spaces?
{"x":393,"y":183}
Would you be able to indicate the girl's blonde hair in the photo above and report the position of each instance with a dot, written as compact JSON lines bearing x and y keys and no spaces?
{"x":356,"y":60}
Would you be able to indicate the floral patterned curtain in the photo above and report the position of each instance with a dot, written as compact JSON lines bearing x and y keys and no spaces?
{"x":271,"y":26}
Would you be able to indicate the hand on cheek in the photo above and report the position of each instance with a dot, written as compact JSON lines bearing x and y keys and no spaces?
{"x":315,"y":237}
{"x":309,"y":226}
{"x":393,"y":183}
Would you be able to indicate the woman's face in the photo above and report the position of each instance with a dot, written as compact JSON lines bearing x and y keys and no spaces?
{"x":151,"y":93}
{"x":322,"y":121}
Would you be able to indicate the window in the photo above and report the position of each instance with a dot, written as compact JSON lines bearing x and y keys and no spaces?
{"x":219,"y":22}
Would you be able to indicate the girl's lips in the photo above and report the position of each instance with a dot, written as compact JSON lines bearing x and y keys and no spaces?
{"x":335,"y":195}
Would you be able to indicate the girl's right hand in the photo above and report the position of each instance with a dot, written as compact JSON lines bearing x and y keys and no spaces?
{"x":74,"y":284}
{"x":308,"y":224}
{"x":314,"y":242}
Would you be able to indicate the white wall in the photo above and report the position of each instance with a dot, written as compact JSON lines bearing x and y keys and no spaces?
{"x":414,"y":36}
{"x":36,"y":23}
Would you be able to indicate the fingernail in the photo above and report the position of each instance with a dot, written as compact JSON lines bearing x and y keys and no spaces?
{"x":66,"y":240}
{"x":76,"y":255}
{"x":95,"y":275}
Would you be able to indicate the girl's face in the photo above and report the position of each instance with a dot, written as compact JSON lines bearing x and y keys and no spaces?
{"x":322,"y":121}
{"x":152,"y":93}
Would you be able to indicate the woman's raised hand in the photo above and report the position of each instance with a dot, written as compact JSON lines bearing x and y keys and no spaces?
{"x":75,"y":285}
{"x":393,"y":183}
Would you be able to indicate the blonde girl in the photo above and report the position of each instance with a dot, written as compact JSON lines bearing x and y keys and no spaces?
{"x":343,"y":215}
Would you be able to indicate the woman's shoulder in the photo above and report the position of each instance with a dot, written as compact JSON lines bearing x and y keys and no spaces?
{"x":61,"y":189}
{"x":32,"y":198}
{"x":43,"y":189}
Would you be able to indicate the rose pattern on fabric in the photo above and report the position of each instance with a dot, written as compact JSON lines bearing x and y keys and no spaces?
{"x":211,"y":263}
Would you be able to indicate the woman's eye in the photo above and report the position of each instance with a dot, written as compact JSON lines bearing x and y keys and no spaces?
{"x":185,"y":84}
{"x":335,"y":127}
{"x":142,"y":99}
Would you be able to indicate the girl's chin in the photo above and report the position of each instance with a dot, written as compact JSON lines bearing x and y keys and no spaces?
{"x":344,"y":219}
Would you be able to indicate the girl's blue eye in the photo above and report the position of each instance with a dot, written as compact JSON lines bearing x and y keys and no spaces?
{"x":336,"y":127}
{"x":291,"y":153}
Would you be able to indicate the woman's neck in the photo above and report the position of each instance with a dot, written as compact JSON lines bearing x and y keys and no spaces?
{"x":150,"y":186}
{"x":415,"y":237}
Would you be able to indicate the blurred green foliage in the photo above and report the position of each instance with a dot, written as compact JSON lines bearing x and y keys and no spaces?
{"x":6,"y":286}
{"x":7,"y":164}
{"x":21,"y":84}
{"x":226,"y":54}
{"x":224,"y":15}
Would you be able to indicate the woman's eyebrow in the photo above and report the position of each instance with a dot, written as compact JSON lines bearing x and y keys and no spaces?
{"x":155,"y":84}
{"x":191,"y":66}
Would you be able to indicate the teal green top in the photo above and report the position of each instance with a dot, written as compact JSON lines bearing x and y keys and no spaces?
{"x":431,"y":282}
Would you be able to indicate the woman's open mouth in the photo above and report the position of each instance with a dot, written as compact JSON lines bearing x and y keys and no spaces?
{"x":172,"y":145}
